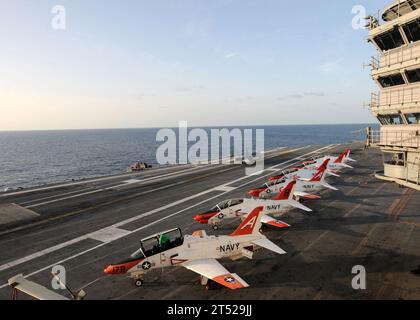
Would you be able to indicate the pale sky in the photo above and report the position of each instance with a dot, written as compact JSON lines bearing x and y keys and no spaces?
{"x":143,"y":63}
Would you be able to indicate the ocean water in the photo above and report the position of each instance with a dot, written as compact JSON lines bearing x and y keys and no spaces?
{"x":33,"y":158}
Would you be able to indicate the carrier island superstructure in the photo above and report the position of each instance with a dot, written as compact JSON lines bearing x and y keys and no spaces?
{"x":396,"y":69}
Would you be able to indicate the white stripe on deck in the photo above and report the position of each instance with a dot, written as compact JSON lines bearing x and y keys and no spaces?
{"x":109,"y":234}
{"x":126,"y":183}
{"x":119,"y":224}
{"x":82,"y":182}
{"x":64,"y":198}
{"x":131,"y":181}
{"x":224,"y":188}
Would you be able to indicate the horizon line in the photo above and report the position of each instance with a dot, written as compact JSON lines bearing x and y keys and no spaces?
{"x":196,"y":126}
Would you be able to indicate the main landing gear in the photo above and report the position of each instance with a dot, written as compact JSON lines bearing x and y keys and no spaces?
{"x":209,"y":284}
{"x":138,"y":282}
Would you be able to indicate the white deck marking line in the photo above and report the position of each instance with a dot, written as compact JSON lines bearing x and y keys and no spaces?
{"x":89,"y":235}
{"x":110,"y":188}
{"x":109,"y":234}
{"x":64,"y":198}
{"x":134,"y":231}
{"x":81,"y":238}
{"x":137,"y":194}
{"x":81,"y":182}
{"x":41,"y":253}
{"x":224,"y":188}
{"x":275,"y":150}
{"x":131,"y":181}
{"x":76,"y":183}
{"x":54,"y":196}
{"x":167,"y":186}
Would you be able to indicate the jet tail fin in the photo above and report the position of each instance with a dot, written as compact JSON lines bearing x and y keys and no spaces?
{"x":348,"y":156}
{"x":341,"y":157}
{"x":251,"y":224}
{"x":320,"y":174}
{"x":287,"y":192}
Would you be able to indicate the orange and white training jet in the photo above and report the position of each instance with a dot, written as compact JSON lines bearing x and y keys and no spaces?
{"x":308,"y":167}
{"x":305,"y":187}
{"x":240,"y":208}
{"x":198,"y":252}
{"x":336,"y":163}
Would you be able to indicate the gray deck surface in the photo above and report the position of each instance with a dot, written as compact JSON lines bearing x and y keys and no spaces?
{"x":367,"y":222}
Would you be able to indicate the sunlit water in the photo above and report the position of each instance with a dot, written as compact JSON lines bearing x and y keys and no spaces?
{"x":38,"y":157}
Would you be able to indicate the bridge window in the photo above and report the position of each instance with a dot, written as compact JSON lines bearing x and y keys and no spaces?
{"x":391,"y":81}
{"x":391,"y":119}
{"x":389,"y":40}
{"x":381,"y":120}
{"x":413,"y":118}
{"x":413,"y":75}
{"x":394,"y":159}
{"x":412,"y":30}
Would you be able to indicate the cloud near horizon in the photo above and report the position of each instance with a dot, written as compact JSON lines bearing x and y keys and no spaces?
{"x":301,"y":95}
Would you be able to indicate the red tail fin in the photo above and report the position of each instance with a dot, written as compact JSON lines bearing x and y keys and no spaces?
{"x":252,"y":222}
{"x":342,"y":156}
{"x":318,"y":175}
{"x":286,"y":192}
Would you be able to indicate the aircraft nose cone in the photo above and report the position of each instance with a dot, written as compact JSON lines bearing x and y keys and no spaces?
{"x":201,"y":219}
{"x":109,"y":270}
{"x":204,"y":218}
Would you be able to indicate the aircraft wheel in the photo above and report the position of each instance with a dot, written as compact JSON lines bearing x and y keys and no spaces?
{"x":209,"y":286}
{"x":138,"y":283}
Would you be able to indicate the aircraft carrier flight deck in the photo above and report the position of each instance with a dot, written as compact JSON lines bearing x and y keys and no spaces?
{"x":86,"y":225}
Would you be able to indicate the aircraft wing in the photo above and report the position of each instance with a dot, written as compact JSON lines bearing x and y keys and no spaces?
{"x":306,"y":195}
{"x":328,"y":186}
{"x":304,"y":179}
{"x":274,"y":222}
{"x":267,"y":244}
{"x":298,"y":205}
{"x":344,"y":165}
{"x":213,"y":270}
{"x":33,"y":289}
{"x":332,"y":173}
